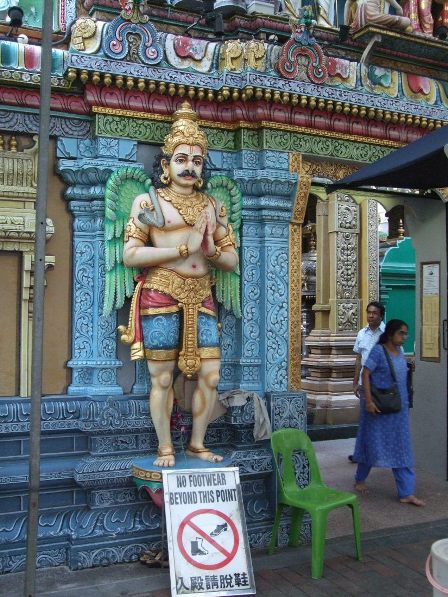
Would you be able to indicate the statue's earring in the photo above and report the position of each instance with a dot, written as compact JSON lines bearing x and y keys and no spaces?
{"x":165,"y":178}
{"x":199,"y":183}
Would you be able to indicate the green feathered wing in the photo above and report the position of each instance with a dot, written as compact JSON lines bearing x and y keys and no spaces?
{"x":122,"y":187}
{"x":226,"y":191}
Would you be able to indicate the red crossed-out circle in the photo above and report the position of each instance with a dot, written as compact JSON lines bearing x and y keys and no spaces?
{"x":228,"y":555}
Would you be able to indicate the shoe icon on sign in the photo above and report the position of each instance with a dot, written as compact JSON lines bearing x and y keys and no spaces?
{"x":197,"y":548}
{"x":220,"y":528}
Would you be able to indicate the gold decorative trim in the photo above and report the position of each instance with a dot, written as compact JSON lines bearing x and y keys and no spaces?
{"x":145,"y":475}
{"x":327,"y":169}
{"x":207,"y":311}
{"x":207,"y":352}
{"x":210,"y":352}
{"x":133,"y":231}
{"x":263,"y":124}
{"x":295,"y":307}
{"x":189,"y":206}
{"x":227,"y":240}
{"x":306,"y":170}
{"x":185,"y":129}
{"x":421,"y":40}
{"x":296,"y":165}
{"x":160,"y":310}
{"x":190,"y":292}
{"x":161,"y":355}
{"x":127,"y":334}
{"x":137,"y":351}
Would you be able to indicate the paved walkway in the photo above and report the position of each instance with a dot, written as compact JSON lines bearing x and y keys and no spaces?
{"x":393,"y":565}
{"x":396,"y":540}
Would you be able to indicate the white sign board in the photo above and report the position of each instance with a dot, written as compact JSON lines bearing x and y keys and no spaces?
{"x":207,"y":539}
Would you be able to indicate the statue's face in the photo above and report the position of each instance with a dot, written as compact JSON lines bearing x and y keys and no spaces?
{"x":186,"y":165}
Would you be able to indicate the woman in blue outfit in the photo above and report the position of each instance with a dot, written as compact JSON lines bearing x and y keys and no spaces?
{"x":385,"y":440}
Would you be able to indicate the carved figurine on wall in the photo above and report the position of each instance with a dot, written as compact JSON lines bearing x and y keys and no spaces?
{"x":441,"y":19}
{"x":359,"y":13}
{"x":419,"y":13}
{"x":176,"y":236}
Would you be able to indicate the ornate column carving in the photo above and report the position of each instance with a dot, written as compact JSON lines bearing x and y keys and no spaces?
{"x":330,"y":361}
{"x":85,"y":165}
{"x":373,"y":270}
{"x":322,"y":306}
{"x":343,"y":229}
{"x":307,"y":169}
{"x":267,"y":186}
{"x":295,"y":271}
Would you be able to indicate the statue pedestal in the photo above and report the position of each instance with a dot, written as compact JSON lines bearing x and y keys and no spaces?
{"x":149,"y":477}
{"x":146,"y":474}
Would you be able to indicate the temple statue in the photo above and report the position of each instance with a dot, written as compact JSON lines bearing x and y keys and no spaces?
{"x":324,"y":11}
{"x":175,"y":237}
{"x":359,"y":13}
{"x":441,"y":19}
{"x":419,"y":13}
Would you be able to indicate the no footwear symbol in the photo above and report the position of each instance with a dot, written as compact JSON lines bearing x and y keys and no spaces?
{"x":215,"y":539}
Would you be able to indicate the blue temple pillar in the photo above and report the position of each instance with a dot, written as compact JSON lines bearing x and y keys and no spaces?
{"x":267,"y":187}
{"x":85,"y":166}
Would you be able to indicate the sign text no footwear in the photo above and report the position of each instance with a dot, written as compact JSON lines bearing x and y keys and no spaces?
{"x":207,"y":538}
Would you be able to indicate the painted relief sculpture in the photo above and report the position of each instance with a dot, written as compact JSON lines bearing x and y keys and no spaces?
{"x":359,"y":13}
{"x":301,"y":57}
{"x":419,"y":13}
{"x":441,"y":19}
{"x":176,"y":234}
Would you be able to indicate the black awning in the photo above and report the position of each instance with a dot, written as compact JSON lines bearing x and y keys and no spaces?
{"x":423,"y":164}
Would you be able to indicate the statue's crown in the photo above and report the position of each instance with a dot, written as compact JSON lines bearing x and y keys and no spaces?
{"x":185,"y":129}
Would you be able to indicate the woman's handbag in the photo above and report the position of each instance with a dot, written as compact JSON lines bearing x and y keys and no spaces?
{"x":387,"y":400}
{"x":410,"y":385}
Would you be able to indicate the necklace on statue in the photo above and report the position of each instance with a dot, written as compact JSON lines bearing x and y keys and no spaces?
{"x":189,"y":206}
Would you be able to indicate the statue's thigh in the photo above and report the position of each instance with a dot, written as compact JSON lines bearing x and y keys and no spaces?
{"x":208,"y":334}
{"x":161,"y":336}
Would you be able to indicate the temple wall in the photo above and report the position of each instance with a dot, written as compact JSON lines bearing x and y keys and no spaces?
{"x":90,"y":510}
{"x":57,"y":316}
{"x":276,"y":133}
{"x":427,"y":220}
{"x":9,"y":313}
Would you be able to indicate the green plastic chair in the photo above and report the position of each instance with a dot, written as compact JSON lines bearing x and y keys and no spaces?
{"x":317,"y":498}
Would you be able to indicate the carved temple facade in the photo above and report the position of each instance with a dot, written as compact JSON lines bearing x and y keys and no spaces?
{"x":284,"y":117}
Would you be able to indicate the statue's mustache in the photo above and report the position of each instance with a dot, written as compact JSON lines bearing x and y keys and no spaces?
{"x":188,"y":173}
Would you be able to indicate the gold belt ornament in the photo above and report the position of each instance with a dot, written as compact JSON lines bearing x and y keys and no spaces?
{"x":190,"y":292}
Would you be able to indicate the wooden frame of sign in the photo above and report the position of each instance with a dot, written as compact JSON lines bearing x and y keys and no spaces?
{"x":208,"y":546}
{"x":430,"y":311}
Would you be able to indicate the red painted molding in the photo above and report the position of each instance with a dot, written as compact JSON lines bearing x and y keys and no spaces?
{"x":252,"y":112}
{"x":29,"y":98}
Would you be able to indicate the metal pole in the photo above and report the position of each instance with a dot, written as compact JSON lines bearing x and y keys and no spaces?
{"x":38,"y":303}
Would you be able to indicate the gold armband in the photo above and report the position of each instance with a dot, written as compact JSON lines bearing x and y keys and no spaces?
{"x":183,"y":251}
{"x":133,"y":231}
{"x":216,"y":255}
{"x":227,"y":240}
{"x":145,"y":204}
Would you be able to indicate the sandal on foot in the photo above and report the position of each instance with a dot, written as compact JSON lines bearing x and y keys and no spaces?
{"x":167,"y":450}
{"x":203,"y":450}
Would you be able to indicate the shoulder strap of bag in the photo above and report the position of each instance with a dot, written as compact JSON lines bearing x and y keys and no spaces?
{"x":389,"y":362}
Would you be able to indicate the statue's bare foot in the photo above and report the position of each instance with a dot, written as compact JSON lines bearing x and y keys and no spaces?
{"x":203,"y":453}
{"x":166,"y":456}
